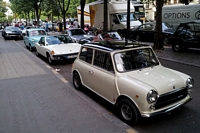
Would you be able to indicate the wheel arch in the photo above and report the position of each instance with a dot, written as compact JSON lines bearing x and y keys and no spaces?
{"x":76,"y":71}
{"x":121,"y":97}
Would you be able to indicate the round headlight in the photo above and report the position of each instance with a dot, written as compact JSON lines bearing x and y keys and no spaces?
{"x":190,"y":83}
{"x":152,"y":96}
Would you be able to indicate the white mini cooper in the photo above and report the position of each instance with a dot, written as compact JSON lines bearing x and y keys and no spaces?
{"x":132,"y":78}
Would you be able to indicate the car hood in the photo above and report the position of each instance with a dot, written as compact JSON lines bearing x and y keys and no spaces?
{"x":68,"y":48}
{"x":160,"y":78}
{"x":77,"y":37}
{"x":36,"y":38}
{"x":12,"y":31}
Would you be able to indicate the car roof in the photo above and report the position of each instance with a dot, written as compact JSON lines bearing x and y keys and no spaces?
{"x":115,"y":45}
{"x":191,"y":22}
{"x":35,"y":29}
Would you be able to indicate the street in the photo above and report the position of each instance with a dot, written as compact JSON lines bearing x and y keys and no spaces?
{"x":185,"y":120}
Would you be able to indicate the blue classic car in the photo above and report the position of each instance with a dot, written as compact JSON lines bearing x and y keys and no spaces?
{"x":33,"y":36}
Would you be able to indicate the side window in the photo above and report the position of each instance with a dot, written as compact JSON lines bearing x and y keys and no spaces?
{"x":103,"y":60}
{"x":86,"y":54}
{"x":42,"y":41}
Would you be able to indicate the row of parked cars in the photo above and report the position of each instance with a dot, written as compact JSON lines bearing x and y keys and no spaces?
{"x":125,"y":73}
{"x":187,"y":35}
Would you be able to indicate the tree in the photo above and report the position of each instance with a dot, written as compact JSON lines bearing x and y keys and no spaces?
{"x":2,"y":9}
{"x":64,"y":6}
{"x":82,"y":12}
{"x":27,"y":5}
{"x":158,"y":38}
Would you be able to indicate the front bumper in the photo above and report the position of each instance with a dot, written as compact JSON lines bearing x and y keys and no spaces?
{"x":167,"y":110}
{"x":13,"y":35}
{"x":65,"y":56}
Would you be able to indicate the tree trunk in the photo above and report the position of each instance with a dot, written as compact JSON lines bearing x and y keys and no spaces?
{"x":105,"y":22}
{"x":158,"y":38}
{"x":82,"y":13}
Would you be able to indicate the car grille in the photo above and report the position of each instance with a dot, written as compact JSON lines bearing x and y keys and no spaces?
{"x":170,"y":98}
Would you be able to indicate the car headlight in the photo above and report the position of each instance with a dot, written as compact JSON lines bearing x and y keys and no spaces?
{"x":152,"y":96}
{"x":52,"y":52}
{"x":32,"y":41}
{"x":189,"y":83}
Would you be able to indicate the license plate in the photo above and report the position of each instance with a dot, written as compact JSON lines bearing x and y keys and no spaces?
{"x":71,"y":56}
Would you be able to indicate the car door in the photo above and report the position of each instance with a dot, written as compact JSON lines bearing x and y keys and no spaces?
{"x":146,"y":32}
{"x":42,"y":46}
{"x":86,"y":57}
{"x":26,"y":40}
{"x":102,"y":75}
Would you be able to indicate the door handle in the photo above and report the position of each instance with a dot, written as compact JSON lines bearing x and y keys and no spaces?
{"x":90,"y":71}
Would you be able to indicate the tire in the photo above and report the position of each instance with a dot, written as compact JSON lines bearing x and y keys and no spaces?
{"x":5,"y":38}
{"x":36,"y":53}
{"x":77,"y":81}
{"x":176,"y":47}
{"x":30,"y":48}
{"x":50,"y":61}
{"x":137,"y":38}
{"x":128,"y":112}
{"x":165,"y":40}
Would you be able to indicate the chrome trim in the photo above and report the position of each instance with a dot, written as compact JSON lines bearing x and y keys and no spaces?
{"x":146,"y":115}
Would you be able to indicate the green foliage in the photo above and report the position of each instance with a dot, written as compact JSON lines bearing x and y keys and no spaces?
{"x":2,"y":8}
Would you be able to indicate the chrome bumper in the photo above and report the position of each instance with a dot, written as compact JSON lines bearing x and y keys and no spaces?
{"x":146,"y":115}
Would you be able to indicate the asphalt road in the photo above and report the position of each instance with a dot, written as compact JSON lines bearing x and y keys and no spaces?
{"x":185,"y":120}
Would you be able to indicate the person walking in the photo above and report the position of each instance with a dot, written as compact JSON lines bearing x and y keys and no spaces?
{"x":46,"y":26}
{"x":75,"y":23}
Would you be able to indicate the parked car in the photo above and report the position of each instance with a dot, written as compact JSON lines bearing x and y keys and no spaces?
{"x":53,"y":49}
{"x":146,"y":32}
{"x":33,"y":36}
{"x":64,"y":38}
{"x":12,"y":32}
{"x":187,"y":35}
{"x":101,"y":37}
{"x":77,"y":33}
{"x":131,"y":77}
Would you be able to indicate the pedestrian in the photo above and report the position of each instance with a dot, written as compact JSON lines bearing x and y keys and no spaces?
{"x":75,"y":23}
{"x":46,"y":26}
{"x":22,"y":26}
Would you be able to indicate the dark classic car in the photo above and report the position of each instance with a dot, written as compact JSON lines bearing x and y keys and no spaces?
{"x":77,"y":33}
{"x":186,"y":36}
{"x":146,"y":32}
{"x":12,"y":32}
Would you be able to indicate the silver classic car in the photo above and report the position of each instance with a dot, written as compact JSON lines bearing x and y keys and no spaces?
{"x":130,"y":76}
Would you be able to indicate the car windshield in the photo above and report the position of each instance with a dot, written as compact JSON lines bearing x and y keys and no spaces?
{"x":12,"y":28}
{"x":53,"y":40}
{"x":123,"y":17}
{"x":77,"y":32}
{"x":135,"y":59}
{"x":37,"y":32}
{"x":65,"y":39}
{"x":166,"y":26}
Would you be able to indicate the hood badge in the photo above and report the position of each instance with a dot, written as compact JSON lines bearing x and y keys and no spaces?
{"x":173,"y":87}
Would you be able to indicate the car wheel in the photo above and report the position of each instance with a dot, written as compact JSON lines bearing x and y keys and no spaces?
{"x":176,"y":47}
{"x":49,"y":59}
{"x":5,"y":38}
{"x":77,"y":81}
{"x":36,"y":52}
{"x":128,"y":112}
{"x":137,"y":38}
{"x":30,"y":47}
{"x":165,"y":40}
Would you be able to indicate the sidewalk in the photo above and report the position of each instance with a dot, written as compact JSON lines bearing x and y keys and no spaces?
{"x":35,"y":98}
{"x":190,"y":57}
